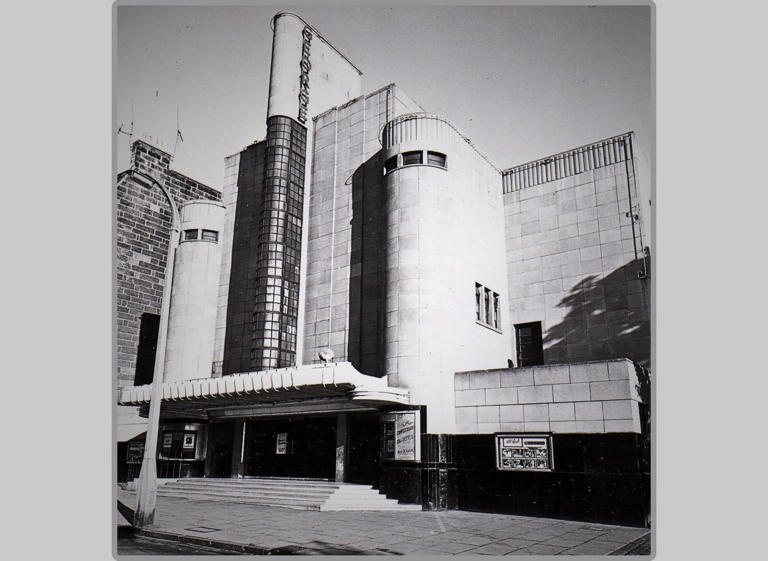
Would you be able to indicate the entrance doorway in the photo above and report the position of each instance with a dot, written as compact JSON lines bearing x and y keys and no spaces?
{"x":300,"y":447}
{"x":221,"y":443}
{"x":364,"y":449}
{"x":530,"y":351}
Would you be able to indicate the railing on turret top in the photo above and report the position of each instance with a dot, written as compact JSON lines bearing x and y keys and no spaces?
{"x":571,"y":162}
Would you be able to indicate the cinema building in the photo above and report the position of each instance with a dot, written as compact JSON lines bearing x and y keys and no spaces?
{"x":372,"y":300}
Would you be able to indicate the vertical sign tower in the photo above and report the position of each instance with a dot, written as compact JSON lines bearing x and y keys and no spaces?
{"x":307,"y":75}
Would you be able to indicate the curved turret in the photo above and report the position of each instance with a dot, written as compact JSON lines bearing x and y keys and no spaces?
{"x":445,"y":236}
{"x":192,"y":322}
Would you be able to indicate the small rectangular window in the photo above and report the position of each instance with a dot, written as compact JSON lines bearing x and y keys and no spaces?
{"x":530,"y":350}
{"x":390,"y":164}
{"x":412,"y":158}
{"x":190,"y":234}
{"x":487,"y":307}
{"x":478,"y":302}
{"x":487,"y":301}
{"x":436,"y":159}
{"x":210,"y":236}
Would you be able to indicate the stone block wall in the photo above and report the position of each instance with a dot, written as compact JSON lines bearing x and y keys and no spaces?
{"x":445,"y":236}
{"x":573,"y":260}
{"x":344,"y":283}
{"x":587,"y":397}
{"x":143,"y":225}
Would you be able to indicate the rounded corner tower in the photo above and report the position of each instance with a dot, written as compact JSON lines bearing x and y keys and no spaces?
{"x":442,"y":203}
{"x":195,"y":289}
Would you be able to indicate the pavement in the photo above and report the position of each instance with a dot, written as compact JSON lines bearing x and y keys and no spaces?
{"x":128,"y":543}
{"x":265,"y":530}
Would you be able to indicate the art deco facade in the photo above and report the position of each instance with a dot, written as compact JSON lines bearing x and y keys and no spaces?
{"x":383,"y":304}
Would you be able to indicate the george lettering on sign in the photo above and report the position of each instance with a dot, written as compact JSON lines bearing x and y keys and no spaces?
{"x":305,"y":67}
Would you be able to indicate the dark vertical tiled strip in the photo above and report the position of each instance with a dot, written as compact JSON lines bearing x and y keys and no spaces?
{"x":279,"y":253}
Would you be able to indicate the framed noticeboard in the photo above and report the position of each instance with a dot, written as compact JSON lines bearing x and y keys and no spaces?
{"x":189,"y":441}
{"x":282,"y":443}
{"x":400,"y":435}
{"x":524,"y":452}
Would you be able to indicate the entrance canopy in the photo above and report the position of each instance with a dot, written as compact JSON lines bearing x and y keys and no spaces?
{"x":311,"y":383}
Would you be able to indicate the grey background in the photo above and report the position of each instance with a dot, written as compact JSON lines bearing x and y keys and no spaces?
{"x":711,"y":116}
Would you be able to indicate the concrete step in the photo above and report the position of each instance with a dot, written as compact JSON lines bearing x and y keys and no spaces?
{"x":396,"y":506}
{"x":289,"y":493}
{"x":255,"y":481}
{"x":250,"y":494}
{"x":260,"y":482}
{"x":351,"y":498}
{"x":252,"y":487}
{"x":265,"y":501}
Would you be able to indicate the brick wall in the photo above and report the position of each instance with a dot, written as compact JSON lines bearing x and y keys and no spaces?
{"x":589,"y":397}
{"x":143,"y":229}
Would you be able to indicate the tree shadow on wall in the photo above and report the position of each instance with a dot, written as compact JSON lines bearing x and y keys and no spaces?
{"x":607,"y":318}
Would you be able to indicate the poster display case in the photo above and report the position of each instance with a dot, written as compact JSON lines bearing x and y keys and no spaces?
{"x":524,"y":452}
{"x":400,"y":435}
{"x":182,"y":441}
{"x":281,"y":446}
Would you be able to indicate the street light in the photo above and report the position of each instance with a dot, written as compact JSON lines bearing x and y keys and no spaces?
{"x":147,"y":491}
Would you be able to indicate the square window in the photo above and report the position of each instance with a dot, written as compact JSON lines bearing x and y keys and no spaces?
{"x":412,"y":158}
{"x":436,"y":159}
{"x":210,"y":236}
{"x":390,"y":164}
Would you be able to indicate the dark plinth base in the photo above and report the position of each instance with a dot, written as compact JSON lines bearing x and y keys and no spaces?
{"x":597,"y":478}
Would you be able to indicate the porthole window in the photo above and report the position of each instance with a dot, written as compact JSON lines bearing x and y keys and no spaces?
{"x":412,"y":158}
{"x":390,"y":164}
{"x":210,"y":236}
{"x":190,"y":235}
{"x":436,"y":159}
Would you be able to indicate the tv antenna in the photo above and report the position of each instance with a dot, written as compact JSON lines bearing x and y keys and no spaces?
{"x":178,"y":134}
{"x":129,"y":133}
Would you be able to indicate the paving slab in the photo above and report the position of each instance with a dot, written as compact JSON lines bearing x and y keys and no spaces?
{"x":497,"y":548}
{"x":257,"y":529}
{"x":517,"y":543}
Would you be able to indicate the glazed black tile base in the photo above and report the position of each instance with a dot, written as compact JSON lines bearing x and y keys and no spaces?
{"x":597,"y":478}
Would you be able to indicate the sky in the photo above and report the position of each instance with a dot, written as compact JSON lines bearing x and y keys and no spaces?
{"x":522,"y":82}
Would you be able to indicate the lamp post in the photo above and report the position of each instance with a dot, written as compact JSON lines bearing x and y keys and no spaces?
{"x":147,"y":490}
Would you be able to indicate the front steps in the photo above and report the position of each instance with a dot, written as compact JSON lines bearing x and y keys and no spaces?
{"x":288,"y":493}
